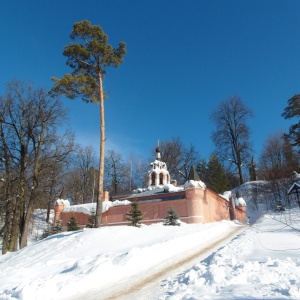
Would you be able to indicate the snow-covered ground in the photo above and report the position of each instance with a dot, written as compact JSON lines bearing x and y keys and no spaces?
{"x":262,"y":262}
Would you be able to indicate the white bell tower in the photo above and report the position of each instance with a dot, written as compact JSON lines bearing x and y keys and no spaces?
{"x":159,"y":175}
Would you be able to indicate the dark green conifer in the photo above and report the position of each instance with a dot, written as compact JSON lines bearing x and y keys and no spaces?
{"x":217,"y":177}
{"x":213,"y":174}
{"x":57,"y":228}
{"x":72,"y":225}
{"x":92,"y":219}
{"x":172,"y":218}
{"x":135,"y":215}
{"x":292,"y":112}
{"x":47,"y":232}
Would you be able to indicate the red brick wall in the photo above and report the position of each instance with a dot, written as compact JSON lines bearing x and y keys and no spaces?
{"x":81,"y":218}
{"x":240,"y":213}
{"x":216,"y":207}
{"x":194,"y":205}
{"x":153,"y":212}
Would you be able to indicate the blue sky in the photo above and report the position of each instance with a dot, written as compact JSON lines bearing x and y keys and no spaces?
{"x":184,"y":57}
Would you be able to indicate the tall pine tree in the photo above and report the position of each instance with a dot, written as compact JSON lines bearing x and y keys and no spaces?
{"x":89,"y":55}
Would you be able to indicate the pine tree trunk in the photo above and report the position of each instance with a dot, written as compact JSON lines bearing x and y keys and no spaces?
{"x":102,"y":152}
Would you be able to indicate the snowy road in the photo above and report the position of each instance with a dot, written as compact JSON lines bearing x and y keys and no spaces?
{"x":149,"y":286}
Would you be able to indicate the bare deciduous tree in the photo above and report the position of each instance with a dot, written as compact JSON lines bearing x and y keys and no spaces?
{"x":277,"y":159}
{"x":231,"y":136}
{"x":82,"y":176}
{"x":139,"y":172}
{"x":28,"y":119}
{"x":117,"y":173}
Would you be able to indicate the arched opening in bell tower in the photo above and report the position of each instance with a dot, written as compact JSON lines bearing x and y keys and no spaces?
{"x":153,"y":179}
{"x":161,"y":178}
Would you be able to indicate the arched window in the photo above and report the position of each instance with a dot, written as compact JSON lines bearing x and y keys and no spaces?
{"x":153,"y":179}
{"x":161,"y":178}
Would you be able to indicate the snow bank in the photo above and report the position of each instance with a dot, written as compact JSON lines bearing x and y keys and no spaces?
{"x":238,"y":201}
{"x":66,"y":264}
{"x":263,"y":263}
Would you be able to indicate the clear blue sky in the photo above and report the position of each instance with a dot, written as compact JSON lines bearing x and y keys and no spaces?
{"x":184,"y":57}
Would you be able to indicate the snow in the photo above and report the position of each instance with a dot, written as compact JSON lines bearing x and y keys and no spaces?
{"x":295,"y":185}
{"x":172,"y":188}
{"x":193,"y":183}
{"x":89,"y":207}
{"x":66,"y":203}
{"x":240,"y":201}
{"x":226,"y":195}
{"x":261,"y":262}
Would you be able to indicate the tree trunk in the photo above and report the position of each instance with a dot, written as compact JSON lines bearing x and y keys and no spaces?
{"x":102,"y":152}
{"x":8,"y":217}
{"x":48,"y":211}
{"x":32,"y":199}
{"x":240,"y":173}
{"x":24,"y":233}
{"x":7,"y":228}
{"x":14,"y":237}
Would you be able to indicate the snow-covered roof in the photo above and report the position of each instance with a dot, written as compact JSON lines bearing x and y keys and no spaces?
{"x":172,"y":188}
{"x":193,"y":183}
{"x":89,"y":207}
{"x":66,"y":203}
{"x":158,"y":165}
{"x":226,"y":195}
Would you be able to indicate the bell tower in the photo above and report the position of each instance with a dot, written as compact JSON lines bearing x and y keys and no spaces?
{"x":159,"y":175}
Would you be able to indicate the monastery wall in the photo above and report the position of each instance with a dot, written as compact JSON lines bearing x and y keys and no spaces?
{"x":215,"y":208}
{"x":193,"y":205}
